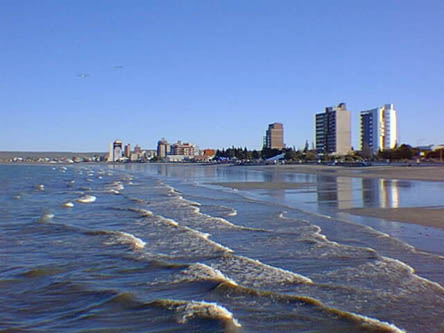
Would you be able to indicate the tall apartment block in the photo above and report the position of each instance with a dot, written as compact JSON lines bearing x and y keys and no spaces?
{"x":379,"y":130}
{"x":115,"y":151}
{"x":163,"y":148}
{"x":333,"y":131}
{"x":274,"y":136}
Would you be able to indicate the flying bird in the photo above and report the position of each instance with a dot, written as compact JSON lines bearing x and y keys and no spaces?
{"x":83,"y":75}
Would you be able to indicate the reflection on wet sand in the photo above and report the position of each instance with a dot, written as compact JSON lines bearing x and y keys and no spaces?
{"x":380,"y":193}
{"x":335,"y":191}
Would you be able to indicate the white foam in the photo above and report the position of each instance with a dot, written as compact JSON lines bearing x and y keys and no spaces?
{"x":375,"y":323}
{"x":204,"y":309}
{"x":411,"y":270}
{"x":254,"y":271}
{"x":144,"y":212}
{"x":127,"y":238}
{"x":205,"y":237}
{"x":68,"y":205}
{"x":169,"y":221}
{"x":232,"y":213}
{"x":46,"y":217}
{"x":203,"y":272}
{"x":86,"y":199}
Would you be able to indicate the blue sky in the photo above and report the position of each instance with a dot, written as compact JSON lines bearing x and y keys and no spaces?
{"x":77,"y":74}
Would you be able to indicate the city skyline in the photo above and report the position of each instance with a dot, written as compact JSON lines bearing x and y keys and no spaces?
{"x":76,"y":75}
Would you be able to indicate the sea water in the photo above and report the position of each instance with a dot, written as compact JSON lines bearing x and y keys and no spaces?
{"x":156,"y":247}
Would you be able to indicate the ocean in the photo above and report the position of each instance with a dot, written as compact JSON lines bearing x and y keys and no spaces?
{"x":162,"y":248}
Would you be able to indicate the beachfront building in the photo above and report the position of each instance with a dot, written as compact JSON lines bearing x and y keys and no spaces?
{"x":185,"y":149}
{"x":163,"y":148}
{"x":274,"y":136}
{"x":333,"y":131}
{"x":115,"y":151}
{"x":127,"y":152}
{"x":379,"y":130}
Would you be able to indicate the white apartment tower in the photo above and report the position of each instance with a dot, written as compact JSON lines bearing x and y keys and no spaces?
{"x":379,"y":129}
{"x":115,"y":151}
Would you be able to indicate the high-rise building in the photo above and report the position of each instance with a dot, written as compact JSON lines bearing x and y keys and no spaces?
{"x":379,"y":130}
{"x":115,"y":151}
{"x":127,"y":152}
{"x":163,"y":148}
{"x":333,"y":131}
{"x":274,"y":136}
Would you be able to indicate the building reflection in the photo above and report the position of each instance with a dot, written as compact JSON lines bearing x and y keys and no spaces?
{"x":335,"y":191}
{"x":380,"y":193}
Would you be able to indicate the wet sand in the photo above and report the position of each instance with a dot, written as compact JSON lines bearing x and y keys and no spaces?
{"x":425,"y":216}
{"x":428,"y":173}
{"x":265,"y":185}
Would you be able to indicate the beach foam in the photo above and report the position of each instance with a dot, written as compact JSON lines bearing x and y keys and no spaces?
{"x":126,"y":238}
{"x":86,"y":199}
{"x":188,"y":310}
{"x":196,"y":272}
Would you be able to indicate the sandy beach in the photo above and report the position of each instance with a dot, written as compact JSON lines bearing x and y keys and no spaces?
{"x":425,"y":216}
{"x":265,"y":185}
{"x":427,"y":173}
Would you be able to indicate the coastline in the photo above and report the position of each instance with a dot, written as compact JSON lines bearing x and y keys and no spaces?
{"x":424,"y":216}
{"x":427,"y":216}
{"x":425,"y":173}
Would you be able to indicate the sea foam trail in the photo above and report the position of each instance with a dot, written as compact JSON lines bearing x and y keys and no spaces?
{"x":422,"y":281}
{"x":196,"y":233}
{"x":125,"y":238}
{"x":364,"y":322}
{"x":205,"y":237}
{"x":255,"y":273}
{"x":188,"y":310}
{"x":199,"y":271}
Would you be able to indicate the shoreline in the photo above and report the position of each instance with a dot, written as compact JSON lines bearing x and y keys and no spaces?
{"x":423,"y":173}
{"x":426,"y":216}
{"x":423,"y":216}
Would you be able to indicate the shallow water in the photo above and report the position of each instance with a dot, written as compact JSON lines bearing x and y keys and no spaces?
{"x":158,"y":249}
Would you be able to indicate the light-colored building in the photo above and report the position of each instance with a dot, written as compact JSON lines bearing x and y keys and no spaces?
{"x":274,"y":136}
{"x":163,"y":148}
{"x":185,"y":149}
{"x":115,"y":151}
{"x":379,"y":129}
{"x":333,"y":130}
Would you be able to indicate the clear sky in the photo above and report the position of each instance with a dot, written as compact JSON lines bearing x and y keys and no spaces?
{"x":77,"y":74}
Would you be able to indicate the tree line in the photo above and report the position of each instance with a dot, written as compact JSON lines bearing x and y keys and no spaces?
{"x":403,"y":152}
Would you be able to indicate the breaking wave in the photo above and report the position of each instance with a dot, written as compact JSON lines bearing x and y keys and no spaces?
{"x":187,"y":310}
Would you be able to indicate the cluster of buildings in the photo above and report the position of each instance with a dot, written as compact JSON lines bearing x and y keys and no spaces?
{"x":378,"y":131}
{"x":176,"y":152}
{"x":120,"y":153}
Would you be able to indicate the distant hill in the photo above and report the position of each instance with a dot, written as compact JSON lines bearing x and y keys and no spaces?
{"x":4,"y":155}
